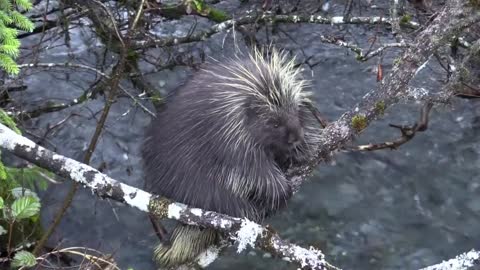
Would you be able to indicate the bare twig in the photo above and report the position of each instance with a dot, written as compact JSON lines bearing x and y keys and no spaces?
{"x":115,"y":82}
{"x":61,"y":106}
{"x":408,"y":132}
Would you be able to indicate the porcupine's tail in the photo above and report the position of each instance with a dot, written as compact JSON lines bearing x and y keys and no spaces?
{"x":186,"y":243}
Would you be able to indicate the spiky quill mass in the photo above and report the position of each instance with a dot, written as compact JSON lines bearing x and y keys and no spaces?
{"x":223,"y":141}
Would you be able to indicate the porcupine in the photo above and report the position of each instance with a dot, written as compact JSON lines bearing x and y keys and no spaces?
{"x":223,"y":141}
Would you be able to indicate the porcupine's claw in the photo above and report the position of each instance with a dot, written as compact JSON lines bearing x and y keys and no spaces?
{"x":186,"y":243}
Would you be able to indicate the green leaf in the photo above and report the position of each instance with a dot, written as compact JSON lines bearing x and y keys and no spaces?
{"x":31,"y":178}
{"x":1,"y":203}
{"x":24,"y":258}
{"x":2,"y":230}
{"x":3,"y":172}
{"x":25,"y":207}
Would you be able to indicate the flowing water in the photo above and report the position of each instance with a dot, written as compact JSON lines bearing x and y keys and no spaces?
{"x":400,"y":209}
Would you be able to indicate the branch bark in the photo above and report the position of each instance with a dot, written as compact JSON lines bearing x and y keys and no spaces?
{"x":250,"y":19}
{"x":463,"y":261}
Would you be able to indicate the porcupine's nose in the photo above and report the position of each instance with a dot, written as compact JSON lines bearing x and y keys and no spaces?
{"x":294,"y":137}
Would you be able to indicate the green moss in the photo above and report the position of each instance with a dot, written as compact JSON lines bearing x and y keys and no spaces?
{"x":406,"y":19}
{"x":159,"y":207}
{"x":360,"y":57}
{"x":359,"y":122}
{"x":397,"y":61}
{"x":213,"y":14}
{"x":380,"y":108}
{"x":156,"y":98}
{"x":132,"y":56}
{"x":266,"y":242}
{"x":218,"y":15}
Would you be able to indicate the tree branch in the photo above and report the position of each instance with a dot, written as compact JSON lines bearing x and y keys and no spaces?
{"x":244,"y":232}
{"x":250,"y":19}
{"x":451,"y":20}
{"x":463,"y":261}
{"x":80,"y":99}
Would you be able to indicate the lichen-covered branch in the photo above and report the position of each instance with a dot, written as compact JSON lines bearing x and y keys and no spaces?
{"x":451,"y":20}
{"x":250,"y":19}
{"x":464,"y":261}
{"x":244,"y":232}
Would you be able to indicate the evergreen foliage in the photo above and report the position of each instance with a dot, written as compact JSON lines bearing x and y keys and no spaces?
{"x":11,"y":20}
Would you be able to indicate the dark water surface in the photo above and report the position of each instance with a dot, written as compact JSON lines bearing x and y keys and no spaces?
{"x":379,"y":210}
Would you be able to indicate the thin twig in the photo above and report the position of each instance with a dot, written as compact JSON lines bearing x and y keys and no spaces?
{"x":407,"y":133}
{"x":61,"y":106}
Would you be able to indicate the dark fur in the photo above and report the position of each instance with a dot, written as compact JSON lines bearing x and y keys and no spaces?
{"x":190,"y":158}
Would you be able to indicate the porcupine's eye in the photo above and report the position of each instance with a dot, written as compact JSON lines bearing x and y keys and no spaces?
{"x":273,"y":123}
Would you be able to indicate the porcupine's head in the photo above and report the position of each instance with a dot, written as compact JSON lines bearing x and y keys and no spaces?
{"x":274,"y":102}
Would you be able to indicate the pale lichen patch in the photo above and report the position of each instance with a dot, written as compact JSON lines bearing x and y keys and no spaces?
{"x":417,"y":93}
{"x":175,"y":210}
{"x":223,"y":223}
{"x":9,"y":139}
{"x":309,"y":257}
{"x":343,"y":130}
{"x":248,"y":234}
{"x":337,"y":20}
{"x":197,"y":212}
{"x":136,"y":197}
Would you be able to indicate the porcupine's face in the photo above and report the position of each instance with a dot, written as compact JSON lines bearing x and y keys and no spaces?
{"x":280,"y":133}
